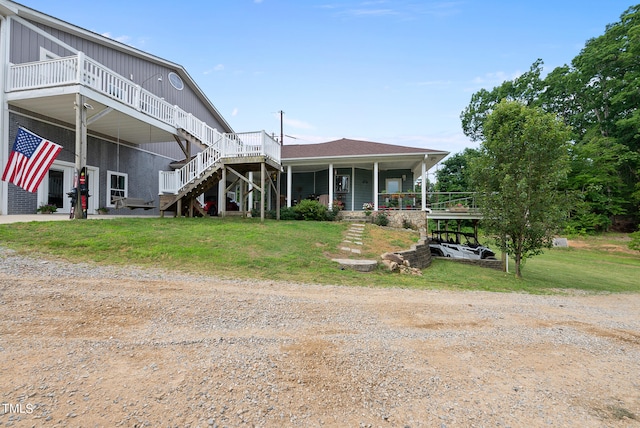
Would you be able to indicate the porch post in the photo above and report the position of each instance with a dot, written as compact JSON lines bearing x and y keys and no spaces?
{"x":375,"y":186}
{"x":289,"y":182}
{"x":81,"y":148}
{"x":279,"y":177}
{"x":353,"y":188}
{"x":424,"y":183}
{"x":222,"y":193}
{"x":250,"y":191}
{"x":330,"y":186}
{"x":263,"y":174}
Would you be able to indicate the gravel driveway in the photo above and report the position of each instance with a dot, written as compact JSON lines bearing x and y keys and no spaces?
{"x":86,"y":346}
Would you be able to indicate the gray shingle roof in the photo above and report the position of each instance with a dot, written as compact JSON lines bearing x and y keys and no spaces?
{"x":347,"y":147}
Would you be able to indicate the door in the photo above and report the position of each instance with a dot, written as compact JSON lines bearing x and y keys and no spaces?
{"x":59,"y":181}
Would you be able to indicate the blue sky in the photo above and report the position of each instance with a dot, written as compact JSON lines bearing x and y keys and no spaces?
{"x":390,"y":71}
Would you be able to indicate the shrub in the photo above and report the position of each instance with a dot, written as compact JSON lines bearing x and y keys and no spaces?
{"x":381,"y":218}
{"x":311,"y":210}
{"x":287,"y":213}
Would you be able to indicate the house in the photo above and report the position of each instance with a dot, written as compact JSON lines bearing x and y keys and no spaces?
{"x":355,"y":172}
{"x":139,"y":125}
{"x":149,"y":138}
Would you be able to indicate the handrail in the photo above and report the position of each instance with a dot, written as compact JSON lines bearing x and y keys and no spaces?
{"x":82,"y":70}
{"x":439,"y":201}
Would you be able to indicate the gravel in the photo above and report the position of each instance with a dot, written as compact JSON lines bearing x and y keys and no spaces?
{"x":85,"y":345}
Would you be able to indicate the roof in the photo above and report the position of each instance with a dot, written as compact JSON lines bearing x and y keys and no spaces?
{"x":347,"y":147}
{"x":9,"y":8}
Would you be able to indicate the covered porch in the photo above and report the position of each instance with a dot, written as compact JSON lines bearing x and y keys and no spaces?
{"x":353,"y":173}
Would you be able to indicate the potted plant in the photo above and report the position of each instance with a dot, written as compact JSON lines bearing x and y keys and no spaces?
{"x":367,"y":207}
{"x":47,"y":209}
{"x":102,"y":210}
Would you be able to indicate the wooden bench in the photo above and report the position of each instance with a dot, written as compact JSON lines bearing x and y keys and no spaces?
{"x":132,"y":203}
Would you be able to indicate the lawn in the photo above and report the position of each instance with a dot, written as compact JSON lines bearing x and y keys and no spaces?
{"x":301,"y":251}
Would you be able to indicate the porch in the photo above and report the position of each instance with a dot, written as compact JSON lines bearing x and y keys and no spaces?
{"x":79,"y":90}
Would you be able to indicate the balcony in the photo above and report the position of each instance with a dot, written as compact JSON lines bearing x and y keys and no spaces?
{"x":49,"y":88}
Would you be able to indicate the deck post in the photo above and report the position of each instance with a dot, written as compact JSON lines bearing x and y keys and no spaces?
{"x":263,"y":173}
{"x":278,"y":196}
{"x":81,"y":149}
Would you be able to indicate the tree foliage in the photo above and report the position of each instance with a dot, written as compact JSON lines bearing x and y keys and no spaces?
{"x":454,"y":174}
{"x":598,"y":95}
{"x":522,"y":163}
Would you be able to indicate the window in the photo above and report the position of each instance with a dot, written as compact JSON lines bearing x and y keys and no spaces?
{"x":394,"y":185}
{"x":341,"y":184}
{"x":176,"y":81}
{"x":117,"y":185}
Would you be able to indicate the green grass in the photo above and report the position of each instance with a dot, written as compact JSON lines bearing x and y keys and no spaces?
{"x":301,"y":251}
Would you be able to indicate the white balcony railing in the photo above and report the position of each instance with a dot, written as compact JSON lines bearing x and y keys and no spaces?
{"x":81,"y":70}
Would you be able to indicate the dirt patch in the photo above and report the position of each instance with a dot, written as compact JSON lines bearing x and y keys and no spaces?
{"x":132,"y":351}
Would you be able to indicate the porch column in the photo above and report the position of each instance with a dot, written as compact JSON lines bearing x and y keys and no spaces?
{"x":375,"y":186}
{"x":353,"y":188}
{"x":289,"y":181}
{"x":330,"y":186}
{"x":279,"y":178}
{"x":263,"y":173}
{"x":222,"y":193}
{"x":250,"y":191}
{"x":424,"y":183}
{"x":81,"y":148}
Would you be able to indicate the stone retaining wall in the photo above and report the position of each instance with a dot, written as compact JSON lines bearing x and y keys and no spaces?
{"x":419,"y":255}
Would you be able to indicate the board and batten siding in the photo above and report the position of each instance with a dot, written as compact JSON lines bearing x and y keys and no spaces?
{"x":132,"y":64}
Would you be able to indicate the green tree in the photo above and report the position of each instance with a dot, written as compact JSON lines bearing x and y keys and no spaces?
{"x":454,"y":174}
{"x":523,"y":162}
{"x":525,"y":89}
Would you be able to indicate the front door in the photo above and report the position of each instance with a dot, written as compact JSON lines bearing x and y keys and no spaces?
{"x":59,"y":182}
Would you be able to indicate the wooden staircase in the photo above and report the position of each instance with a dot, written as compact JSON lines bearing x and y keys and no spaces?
{"x":188,"y":195}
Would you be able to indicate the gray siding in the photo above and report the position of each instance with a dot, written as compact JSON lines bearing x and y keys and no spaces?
{"x":25,"y":47}
{"x":142,"y":167}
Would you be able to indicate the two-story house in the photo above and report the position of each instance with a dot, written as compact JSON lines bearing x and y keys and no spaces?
{"x":139,"y":124}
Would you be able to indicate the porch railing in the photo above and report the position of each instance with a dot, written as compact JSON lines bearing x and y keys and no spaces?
{"x":82,"y":70}
{"x":436,"y":201}
{"x":85,"y":71}
{"x":227,"y":145}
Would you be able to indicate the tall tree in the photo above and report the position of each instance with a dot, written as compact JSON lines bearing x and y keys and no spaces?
{"x":522,"y":164}
{"x":454,"y":174}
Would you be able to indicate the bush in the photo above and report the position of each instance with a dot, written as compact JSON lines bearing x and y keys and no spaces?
{"x":381,"y":218}
{"x":287,"y":213}
{"x":311,"y":210}
{"x":635,"y":241}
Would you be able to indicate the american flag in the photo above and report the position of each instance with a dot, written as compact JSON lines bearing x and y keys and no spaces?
{"x":30,"y":160}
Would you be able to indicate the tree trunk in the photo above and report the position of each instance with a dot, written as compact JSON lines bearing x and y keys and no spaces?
{"x":518,"y":259}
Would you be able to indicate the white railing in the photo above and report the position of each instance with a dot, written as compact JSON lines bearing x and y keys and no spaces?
{"x":81,"y":70}
{"x":85,"y":71}
{"x":226,"y":146}
{"x":172,"y":182}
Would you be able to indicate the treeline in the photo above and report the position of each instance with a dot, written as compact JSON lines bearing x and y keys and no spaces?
{"x":598,"y":95}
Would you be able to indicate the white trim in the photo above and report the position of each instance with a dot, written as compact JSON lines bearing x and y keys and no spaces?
{"x":69,"y":170}
{"x":376,"y":188}
{"x":107,"y":202}
{"x":4,"y":115}
{"x":392,"y":180}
